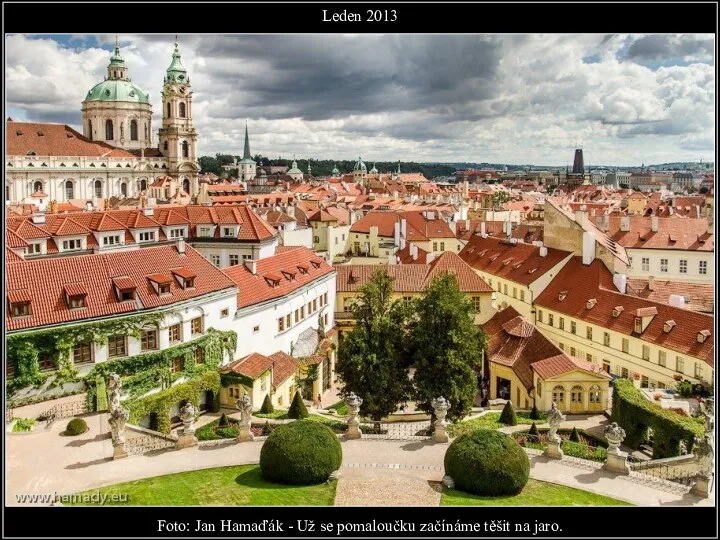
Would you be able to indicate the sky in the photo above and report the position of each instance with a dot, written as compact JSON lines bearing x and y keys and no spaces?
{"x":515,"y":99}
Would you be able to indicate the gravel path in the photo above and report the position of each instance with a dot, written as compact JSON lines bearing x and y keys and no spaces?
{"x":385,"y":489}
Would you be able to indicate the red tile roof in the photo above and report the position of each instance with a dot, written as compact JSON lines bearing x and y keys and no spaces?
{"x":581,"y":283}
{"x":562,"y":363}
{"x":283,"y":366}
{"x":489,"y":255}
{"x":255,"y":289}
{"x":14,"y":241}
{"x":384,"y":221}
{"x":75,"y":289}
{"x":699,"y":296}
{"x":322,"y":216}
{"x":12,"y":257}
{"x":54,"y":140}
{"x":673,"y":233}
{"x":45,"y":279}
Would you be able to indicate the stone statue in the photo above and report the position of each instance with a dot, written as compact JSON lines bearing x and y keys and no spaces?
{"x":114,"y":389}
{"x":709,"y":414}
{"x":118,"y":416}
{"x":244,"y":405}
{"x":353,"y":402}
{"x":440,"y":406}
{"x":704,"y":454}
{"x":554,"y":418}
{"x":616,"y":459}
{"x":186,"y":437}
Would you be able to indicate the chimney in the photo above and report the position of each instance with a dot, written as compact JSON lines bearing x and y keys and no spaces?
{"x":251,"y":265}
{"x":581,"y":216}
{"x":654,"y":224}
{"x":483,"y":229}
{"x":620,"y":281}
{"x":396,"y":235}
{"x":651,"y":283}
{"x":181,"y":246}
{"x":625,"y":223}
{"x":430,"y":258}
{"x":677,"y":300}
{"x":403,"y":227}
{"x":148,"y":211}
{"x":414,"y":252}
{"x":38,"y":218}
{"x":543,"y":251}
{"x":89,"y":206}
{"x":53,"y":207}
{"x":603,"y":223}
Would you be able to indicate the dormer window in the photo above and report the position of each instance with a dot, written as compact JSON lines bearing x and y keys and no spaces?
{"x":228,"y":232}
{"x":316,"y":264}
{"x":290,"y":276}
{"x":161,"y":283}
{"x":591,"y":303}
{"x":148,"y":236}
{"x":562,"y":296}
{"x":303,"y":269}
{"x":703,"y":335}
{"x":638,"y":325}
{"x":669,"y":325}
{"x":164,"y":288}
{"x":19,"y":303}
{"x":75,"y":294}
{"x":617,"y":311}
{"x":185,"y":277}
{"x":204,"y":231}
{"x":127,"y":295}
{"x":177,"y":233}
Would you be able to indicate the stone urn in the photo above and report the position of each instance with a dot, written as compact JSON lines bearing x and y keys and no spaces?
{"x":440,"y":406}
{"x":353,"y":402}
{"x":616,"y":459}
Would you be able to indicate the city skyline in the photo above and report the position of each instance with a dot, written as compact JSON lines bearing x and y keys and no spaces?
{"x":627,"y":99}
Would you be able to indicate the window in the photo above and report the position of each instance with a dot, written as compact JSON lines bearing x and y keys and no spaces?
{"x":181,"y":108}
{"x":196,"y":326}
{"x":174,"y":333}
{"x":169,"y":110}
{"x":550,"y":319}
{"x":638,"y":325}
{"x":324,"y":298}
{"x":505,"y":289}
{"x":661,"y":385}
{"x":594,"y":394}
{"x":263,"y":384}
{"x":109,"y":136}
{"x":646,"y":352}
{"x":514,"y":292}
{"x":228,"y":231}
{"x":281,"y":324}
{"x":256,"y":329}
{"x":177,"y":233}
{"x":702,"y":268}
{"x":442,"y":246}
{"x":662,"y":358}
{"x":698,"y":371}
{"x":199,"y":355}
{"x":297,"y":316}
{"x":539,"y":388}
{"x":33,"y":249}
{"x":177,"y":364}
{"x":133,"y":130}
{"x":540,"y":315}
{"x":576,"y":394}
{"x":606,"y":339}
{"x":624,"y":373}
{"x":625,"y":345}
{"x":476,"y":303}
{"x":680,"y":364}
{"x":316,"y":239}
{"x":185,"y":149}
{"x":562,"y":346}
{"x":663,"y":265}
{"x":205,"y":231}
{"x":147,"y":236}
{"x":248,"y":257}
{"x":215,"y":259}
{"x":645,"y":264}
{"x":224,"y":312}
{"x":82,"y":353}
{"x":90,"y":135}
{"x":572,"y":351}
{"x":644,"y":382}
{"x":314,"y":305}
{"x":302,"y":312}
{"x":123,"y":189}
{"x":76,"y":302}
{"x":164,"y":288}
{"x":589,"y":357}
{"x":288,"y":320}
{"x":116,"y":346}
{"x":111,"y":240}
{"x":37,"y":187}
{"x":234,"y":259}
{"x":562,"y":323}
{"x":558,"y":394}
{"x":588,"y":332}
{"x":46,"y":363}
{"x":69,"y":190}
{"x":71,"y":245}
{"x":325,"y":319}
{"x":522,"y":295}
{"x":148,"y":340}
{"x":435,"y":246}
{"x":573,"y":327}
{"x":683,"y":266}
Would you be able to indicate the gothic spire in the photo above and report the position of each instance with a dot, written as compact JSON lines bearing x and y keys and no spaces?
{"x":246,"y":153}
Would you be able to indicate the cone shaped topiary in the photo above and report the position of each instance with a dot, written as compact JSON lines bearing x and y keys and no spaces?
{"x":267,"y":406}
{"x":298,"y":410}
{"x":575,"y":436}
{"x":508,"y":416}
{"x":534,"y":413}
{"x":224,"y":422}
{"x":533,"y":430}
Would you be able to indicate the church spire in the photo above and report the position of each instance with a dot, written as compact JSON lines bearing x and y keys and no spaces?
{"x":176,"y":72}
{"x":117,"y":70}
{"x":246,"y":153}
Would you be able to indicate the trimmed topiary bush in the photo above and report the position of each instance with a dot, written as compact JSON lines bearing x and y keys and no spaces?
{"x":297,"y":410}
{"x":76,"y":426}
{"x":302,"y":452}
{"x":533,"y":430}
{"x":224,"y":422}
{"x":487,"y":462}
{"x":534,"y":413}
{"x":267,"y":406}
{"x":574,"y":435}
{"x":508,"y":415}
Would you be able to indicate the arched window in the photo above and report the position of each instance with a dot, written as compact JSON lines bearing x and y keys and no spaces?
{"x":576,"y":394}
{"x":165,"y":146}
{"x":186,"y":186}
{"x":559,"y":394}
{"x":98,"y":189}
{"x":133,"y":130}
{"x":143,"y":185}
{"x":37,"y":187}
{"x":185,"y":149}
{"x":69,"y":190}
{"x":109,"y":135}
{"x":123,"y":189}
{"x":594,"y":394}
{"x":90,"y":130}
{"x":169,"y":111}
{"x":182,"y":109}
{"x":146,"y":133}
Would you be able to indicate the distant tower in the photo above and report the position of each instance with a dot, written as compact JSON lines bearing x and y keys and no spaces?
{"x":247,"y":168}
{"x":309,"y":168}
{"x":578,"y":164}
{"x":335,"y":171}
{"x":295,"y":173}
{"x":178,"y":138}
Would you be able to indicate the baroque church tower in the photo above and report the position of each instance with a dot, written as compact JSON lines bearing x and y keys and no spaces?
{"x":178,"y":138}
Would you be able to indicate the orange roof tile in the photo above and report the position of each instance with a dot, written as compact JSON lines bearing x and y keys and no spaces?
{"x":55,"y":140}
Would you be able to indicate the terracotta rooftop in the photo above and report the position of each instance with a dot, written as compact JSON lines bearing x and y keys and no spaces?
{"x":673,"y":233}
{"x":54,"y":140}
{"x":698,"y":296}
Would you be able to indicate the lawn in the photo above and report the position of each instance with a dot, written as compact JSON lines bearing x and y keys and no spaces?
{"x":225,"y":486}
{"x":535,"y":493}
{"x":341,"y":408}
{"x":277,"y":414}
{"x":490,"y":421}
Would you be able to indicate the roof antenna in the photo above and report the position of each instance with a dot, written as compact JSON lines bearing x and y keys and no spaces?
{"x":117,"y":43}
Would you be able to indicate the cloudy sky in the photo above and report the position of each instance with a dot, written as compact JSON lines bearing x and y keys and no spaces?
{"x":627,"y":99}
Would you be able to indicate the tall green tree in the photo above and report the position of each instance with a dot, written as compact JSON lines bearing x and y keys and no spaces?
{"x":446,"y":347}
{"x":371,"y":360}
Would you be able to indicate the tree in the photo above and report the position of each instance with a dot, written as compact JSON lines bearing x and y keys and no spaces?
{"x":446,"y":347}
{"x":508,"y":416}
{"x":574,"y":435}
{"x":534,"y":413}
{"x":704,"y":189}
{"x":500,"y":197}
{"x":267,"y":406}
{"x":371,"y":360}
{"x":533,"y":430}
{"x":298,"y":410}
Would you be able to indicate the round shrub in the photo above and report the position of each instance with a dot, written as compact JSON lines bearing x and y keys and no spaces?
{"x":487,"y":462}
{"x":301,"y":452}
{"x":76,"y":426}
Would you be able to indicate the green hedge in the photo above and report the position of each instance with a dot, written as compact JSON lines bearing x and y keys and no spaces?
{"x":161,"y":402}
{"x":487,"y":462}
{"x":76,"y":426}
{"x":635,"y":414}
{"x":301,"y":453}
{"x":102,"y":398}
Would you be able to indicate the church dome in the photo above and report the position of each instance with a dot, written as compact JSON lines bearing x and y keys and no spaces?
{"x":360,"y":166}
{"x":294,"y":169}
{"x":117,"y":90}
{"x":335,"y":171}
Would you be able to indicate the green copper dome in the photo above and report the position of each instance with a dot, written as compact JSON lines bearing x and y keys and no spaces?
{"x":335,"y":171}
{"x":176,"y":73}
{"x":294,"y":169}
{"x":117,"y":90}
{"x":360,"y":166}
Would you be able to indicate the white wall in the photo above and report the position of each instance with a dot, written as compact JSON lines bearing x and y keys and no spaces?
{"x":298,"y":237}
{"x":673,"y":256}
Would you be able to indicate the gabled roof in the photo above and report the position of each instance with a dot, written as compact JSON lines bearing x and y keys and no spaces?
{"x":384,"y":221}
{"x":673,"y":233}
{"x":54,"y":140}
